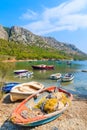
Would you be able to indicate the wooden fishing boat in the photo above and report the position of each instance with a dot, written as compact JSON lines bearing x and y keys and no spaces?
{"x":42,"y":67}
{"x":8,"y":86}
{"x":22,"y":91}
{"x":55,"y":76}
{"x":67,"y":77}
{"x":25,"y":74}
{"x":20,"y":71}
{"x":42,"y":107}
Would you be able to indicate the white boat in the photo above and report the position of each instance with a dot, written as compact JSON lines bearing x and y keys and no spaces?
{"x":25,"y":74}
{"x":20,"y":71}
{"x":55,"y":76}
{"x":67,"y":77}
{"x":22,"y":91}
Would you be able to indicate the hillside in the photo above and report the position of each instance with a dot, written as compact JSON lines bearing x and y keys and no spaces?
{"x":23,"y":37}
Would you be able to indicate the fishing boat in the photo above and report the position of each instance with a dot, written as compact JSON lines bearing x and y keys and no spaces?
{"x":68,"y":62}
{"x":43,"y":67}
{"x":84,"y":70}
{"x":8,"y":86}
{"x":67,"y":77}
{"x":22,"y":91}
{"x":25,"y":74}
{"x":20,"y":71}
{"x":55,"y":76}
{"x":42,"y":107}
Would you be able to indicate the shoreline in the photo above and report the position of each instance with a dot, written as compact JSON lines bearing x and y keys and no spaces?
{"x":74,"y":118}
{"x":14,"y":60}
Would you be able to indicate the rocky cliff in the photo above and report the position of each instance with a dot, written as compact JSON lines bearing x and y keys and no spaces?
{"x":22,"y":35}
{"x":3,"y":33}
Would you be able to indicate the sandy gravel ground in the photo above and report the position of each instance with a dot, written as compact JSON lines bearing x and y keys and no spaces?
{"x":74,"y":118}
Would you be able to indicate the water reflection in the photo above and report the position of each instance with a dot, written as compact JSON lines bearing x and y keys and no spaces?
{"x":42,"y":71}
{"x":67,"y":83}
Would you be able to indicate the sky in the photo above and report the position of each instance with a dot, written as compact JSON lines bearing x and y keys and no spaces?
{"x":64,"y":20}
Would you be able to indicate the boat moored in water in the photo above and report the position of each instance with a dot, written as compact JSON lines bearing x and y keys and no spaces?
{"x":55,"y":76}
{"x":67,"y":77}
{"x":20,"y":71}
{"x":42,"y":67}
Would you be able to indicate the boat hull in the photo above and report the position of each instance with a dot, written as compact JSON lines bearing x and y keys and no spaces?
{"x":67,"y":78}
{"x":18,"y":96}
{"x":44,"y":121}
{"x":20,"y":71}
{"x":18,"y":117}
{"x":8,"y":86}
{"x":43,"y":67}
{"x":55,"y":76}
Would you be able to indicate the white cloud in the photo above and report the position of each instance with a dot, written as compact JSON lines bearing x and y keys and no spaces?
{"x":67,"y":16}
{"x":29,"y":15}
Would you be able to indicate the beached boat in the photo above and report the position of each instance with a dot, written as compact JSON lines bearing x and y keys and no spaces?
{"x":55,"y":76}
{"x":42,"y":67}
{"x":67,"y":77}
{"x":42,"y":107}
{"x":8,"y":86}
{"x":23,"y":90}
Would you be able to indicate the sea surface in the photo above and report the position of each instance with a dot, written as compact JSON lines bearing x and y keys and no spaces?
{"x":77,"y":87}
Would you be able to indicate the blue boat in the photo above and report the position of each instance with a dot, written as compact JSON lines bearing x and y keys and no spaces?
{"x":7,"y":87}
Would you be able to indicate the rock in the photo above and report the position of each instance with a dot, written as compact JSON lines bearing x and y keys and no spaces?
{"x":3,"y":33}
{"x":22,"y":35}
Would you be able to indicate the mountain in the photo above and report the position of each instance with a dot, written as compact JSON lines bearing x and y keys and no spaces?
{"x":3,"y":33}
{"x":21,"y":35}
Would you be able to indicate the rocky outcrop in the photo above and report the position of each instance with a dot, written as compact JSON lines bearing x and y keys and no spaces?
{"x":68,"y":48}
{"x":22,"y":35}
{"x":3,"y":33}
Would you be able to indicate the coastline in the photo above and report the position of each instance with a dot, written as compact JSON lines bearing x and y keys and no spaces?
{"x":74,"y":118}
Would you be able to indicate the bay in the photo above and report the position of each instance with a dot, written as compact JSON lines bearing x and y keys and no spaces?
{"x":77,"y":87}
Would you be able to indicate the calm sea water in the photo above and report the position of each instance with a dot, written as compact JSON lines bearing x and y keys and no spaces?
{"x":78,"y":86}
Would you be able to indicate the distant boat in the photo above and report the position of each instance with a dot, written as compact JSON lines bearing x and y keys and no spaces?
{"x":67,"y":77}
{"x":84,"y":70}
{"x":8,"y":86}
{"x":68,"y":62}
{"x":20,"y":71}
{"x":23,"y":73}
{"x":22,"y":91}
{"x":42,"y":107}
{"x":43,"y":67}
{"x":55,"y":76}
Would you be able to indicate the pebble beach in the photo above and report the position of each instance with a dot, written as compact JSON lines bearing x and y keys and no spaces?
{"x":74,"y":118}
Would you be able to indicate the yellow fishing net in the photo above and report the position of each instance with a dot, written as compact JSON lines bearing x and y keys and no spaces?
{"x":57,"y":102}
{"x":50,"y":105}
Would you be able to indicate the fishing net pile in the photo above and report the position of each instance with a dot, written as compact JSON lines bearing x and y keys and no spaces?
{"x":53,"y":102}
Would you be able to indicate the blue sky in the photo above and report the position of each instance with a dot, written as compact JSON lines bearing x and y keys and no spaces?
{"x":65,"y":20}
